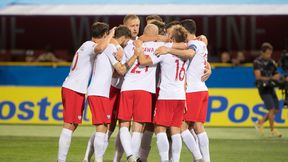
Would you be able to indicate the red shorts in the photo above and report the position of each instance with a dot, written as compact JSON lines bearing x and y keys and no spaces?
{"x":73,"y":103}
{"x":101,"y":109}
{"x":114,"y":101}
{"x":136,"y":104}
{"x":197,"y":106}
{"x":169,"y":113}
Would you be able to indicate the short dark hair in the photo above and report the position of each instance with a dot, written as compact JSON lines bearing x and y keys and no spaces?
{"x":160,"y":25}
{"x":154,"y":17}
{"x":172,"y":23}
{"x":122,"y":30}
{"x":179,"y":34}
{"x":189,"y":25}
{"x":129,"y":17}
{"x":99,"y":29}
{"x":265,"y":46}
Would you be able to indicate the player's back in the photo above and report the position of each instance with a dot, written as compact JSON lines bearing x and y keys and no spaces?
{"x":196,"y":66}
{"x":172,"y":77}
{"x":81,"y":68}
{"x":102,"y":73}
{"x":141,"y":77}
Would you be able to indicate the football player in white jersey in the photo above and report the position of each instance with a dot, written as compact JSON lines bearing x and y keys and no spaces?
{"x":133,"y":23}
{"x":149,"y":48}
{"x":99,"y":88}
{"x":135,"y":101}
{"x":75,"y":85}
{"x":196,"y":92}
{"x":169,"y":111}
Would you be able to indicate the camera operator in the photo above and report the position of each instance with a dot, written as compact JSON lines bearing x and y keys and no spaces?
{"x":283,"y":85}
{"x":265,"y":71}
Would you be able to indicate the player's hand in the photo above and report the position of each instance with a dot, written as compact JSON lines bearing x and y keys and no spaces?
{"x":207,"y":73}
{"x":161,"y":50}
{"x":203,"y":38}
{"x":119,"y":54}
{"x":138,"y":43}
{"x":112,"y":31}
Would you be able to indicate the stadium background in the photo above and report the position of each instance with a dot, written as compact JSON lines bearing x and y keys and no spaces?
{"x":30,"y":92}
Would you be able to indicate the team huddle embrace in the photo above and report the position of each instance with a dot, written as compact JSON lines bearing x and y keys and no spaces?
{"x":154,"y":83}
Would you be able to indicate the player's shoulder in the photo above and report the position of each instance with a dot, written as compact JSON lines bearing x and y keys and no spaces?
{"x":89,"y":43}
{"x":196,"y":42}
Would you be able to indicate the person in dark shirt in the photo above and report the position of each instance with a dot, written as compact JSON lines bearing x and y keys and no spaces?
{"x":265,"y":71}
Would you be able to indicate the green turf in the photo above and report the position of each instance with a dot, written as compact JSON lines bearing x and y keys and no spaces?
{"x":34,"y":143}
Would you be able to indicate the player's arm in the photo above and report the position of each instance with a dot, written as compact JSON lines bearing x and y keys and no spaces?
{"x":185,"y":54}
{"x":104,"y":43}
{"x":207,"y":72}
{"x":155,"y":38}
{"x":123,"y":68}
{"x":180,"y":46}
{"x":144,"y":60}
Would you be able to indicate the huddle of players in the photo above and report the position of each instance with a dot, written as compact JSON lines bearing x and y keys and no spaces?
{"x":125,"y":71}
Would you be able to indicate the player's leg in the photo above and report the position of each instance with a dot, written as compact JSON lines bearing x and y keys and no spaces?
{"x":177,"y":119}
{"x":203,"y":140}
{"x":65,"y":141}
{"x":73,"y":103}
{"x":101,"y":112}
{"x":125,"y":116}
{"x":199,"y":128}
{"x":146,"y":141}
{"x":148,"y":133}
{"x":119,"y":150}
{"x":90,"y":148}
{"x":142,"y":110}
{"x":176,"y":143}
{"x":193,"y":110}
{"x":162,"y":142}
{"x":190,"y":141}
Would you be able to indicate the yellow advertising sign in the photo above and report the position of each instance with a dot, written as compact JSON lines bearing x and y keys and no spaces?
{"x":42,"y":105}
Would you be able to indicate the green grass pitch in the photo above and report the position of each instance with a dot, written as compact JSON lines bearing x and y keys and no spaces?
{"x":38,"y":143}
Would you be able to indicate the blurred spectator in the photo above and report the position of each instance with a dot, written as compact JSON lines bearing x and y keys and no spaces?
{"x":29,"y":56}
{"x":48,"y":56}
{"x":225,"y":57}
{"x":239,"y":59}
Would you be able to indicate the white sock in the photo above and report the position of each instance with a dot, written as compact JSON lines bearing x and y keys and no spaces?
{"x":163,"y":146}
{"x":195,"y":136}
{"x":107,"y":137}
{"x":204,"y":146}
{"x":64,"y":144}
{"x":126,"y":139}
{"x":191,"y":144}
{"x":176,"y":147}
{"x":119,"y":150}
{"x":136,"y":142}
{"x":99,"y":144}
{"x":145,"y":145}
{"x":90,"y":148}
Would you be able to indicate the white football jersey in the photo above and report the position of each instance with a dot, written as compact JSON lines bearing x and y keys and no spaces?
{"x":81,"y":68}
{"x":172,"y":77}
{"x":196,"y":67}
{"x":102,"y":72}
{"x":141,"y":77}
